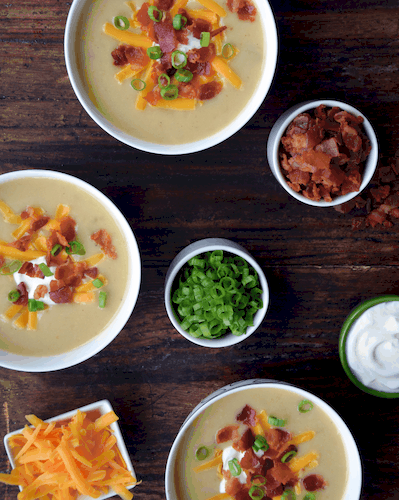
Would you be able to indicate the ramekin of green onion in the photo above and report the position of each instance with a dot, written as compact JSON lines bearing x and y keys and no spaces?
{"x":216,"y":294}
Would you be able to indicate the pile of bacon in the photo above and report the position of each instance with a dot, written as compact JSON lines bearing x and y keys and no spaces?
{"x":378,"y":205}
{"x":68,"y":274}
{"x":168,"y":38}
{"x":277,"y":474}
{"x":322,"y":153}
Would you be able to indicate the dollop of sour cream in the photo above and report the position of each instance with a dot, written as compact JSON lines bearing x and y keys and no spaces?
{"x":372,"y":347}
{"x":228,"y":454}
{"x":32,"y":283}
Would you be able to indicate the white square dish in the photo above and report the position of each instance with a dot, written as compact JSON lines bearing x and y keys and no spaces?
{"x":103,"y":407}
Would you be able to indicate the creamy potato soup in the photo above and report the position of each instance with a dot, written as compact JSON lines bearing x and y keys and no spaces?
{"x":117,"y":101}
{"x":260,"y":445}
{"x":77,"y":301}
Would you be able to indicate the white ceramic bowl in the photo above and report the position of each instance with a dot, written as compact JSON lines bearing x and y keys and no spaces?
{"x":209,"y":245}
{"x":271,"y":43}
{"x":278,"y":130}
{"x":354,"y":481}
{"x":103,"y":407}
{"x":85,"y":351}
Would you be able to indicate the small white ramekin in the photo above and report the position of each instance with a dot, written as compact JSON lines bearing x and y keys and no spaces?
{"x":103,"y":407}
{"x":278,"y":130}
{"x":354,"y":481}
{"x":85,"y":351}
{"x":271,"y":46}
{"x":209,"y":245}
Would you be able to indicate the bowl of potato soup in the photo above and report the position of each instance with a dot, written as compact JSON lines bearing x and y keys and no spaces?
{"x":263,"y":439}
{"x":171,"y":77}
{"x":70,"y":271}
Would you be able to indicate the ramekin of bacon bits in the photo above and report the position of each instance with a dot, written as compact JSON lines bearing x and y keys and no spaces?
{"x":323,"y":152}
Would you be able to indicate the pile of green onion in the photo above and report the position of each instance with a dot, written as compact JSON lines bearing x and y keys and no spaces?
{"x":217,"y":294}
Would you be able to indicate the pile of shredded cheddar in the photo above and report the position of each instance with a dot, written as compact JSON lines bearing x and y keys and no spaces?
{"x":61,"y":462}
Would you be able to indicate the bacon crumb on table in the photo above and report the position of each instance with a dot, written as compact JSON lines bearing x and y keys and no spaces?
{"x":379,"y":204}
{"x":322,"y":153}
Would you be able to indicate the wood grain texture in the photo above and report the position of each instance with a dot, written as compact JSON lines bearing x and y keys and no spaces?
{"x":317,"y":268}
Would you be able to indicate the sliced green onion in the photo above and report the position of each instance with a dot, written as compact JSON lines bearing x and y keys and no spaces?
{"x":35,"y":305}
{"x":287,"y":457}
{"x":10,"y":268}
{"x":14,"y":295}
{"x":56,"y":249}
{"x":305,"y":406}
{"x":75,"y":248}
{"x":102,"y":299}
{"x":309,"y":496}
{"x":170,"y":92}
{"x":138,"y":84}
{"x":289,"y":494}
{"x":202,"y":453}
{"x":183,"y":75}
{"x":210,"y":299}
{"x":260,"y":443}
{"x":179,"y":21}
{"x":97,"y":283}
{"x":179,"y":59}
{"x":160,"y":78}
{"x":121,"y":22}
{"x":228,"y":51}
{"x":234,"y":467}
{"x":45,"y":270}
{"x":258,"y":480}
{"x":151,"y":13}
{"x":277,"y":422}
{"x":205,"y":38}
{"x":154,"y":52}
{"x":256,"y":493}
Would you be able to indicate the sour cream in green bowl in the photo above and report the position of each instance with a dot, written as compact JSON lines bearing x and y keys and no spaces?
{"x":369,"y":346}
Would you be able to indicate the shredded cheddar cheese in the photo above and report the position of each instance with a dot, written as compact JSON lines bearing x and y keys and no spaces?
{"x":79,"y":457}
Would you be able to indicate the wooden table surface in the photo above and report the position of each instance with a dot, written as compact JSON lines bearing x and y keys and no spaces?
{"x":317,"y":268}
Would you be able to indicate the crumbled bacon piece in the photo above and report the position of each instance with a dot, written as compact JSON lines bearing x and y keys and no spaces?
{"x":245,"y":442}
{"x":166,"y":34}
{"x":247,"y":416}
{"x":23,"y":298}
{"x":40,"y":292}
{"x":71,"y":273}
{"x":21,"y":244}
{"x":92,"y":272}
{"x":103,"y":239}
{"x":314,"y":482}
{"x":245,"y":9}
{"x":228,"y":433}
{"x":209,"y":90}
{"x":62,"y":296}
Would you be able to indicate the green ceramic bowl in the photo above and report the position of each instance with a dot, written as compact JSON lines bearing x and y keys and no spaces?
{"x":354,"y":315}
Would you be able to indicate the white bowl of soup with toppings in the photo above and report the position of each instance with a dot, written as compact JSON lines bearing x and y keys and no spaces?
{"x":171,"y":76}
{"x":261,"y":439}
{"x":70,"y":270}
